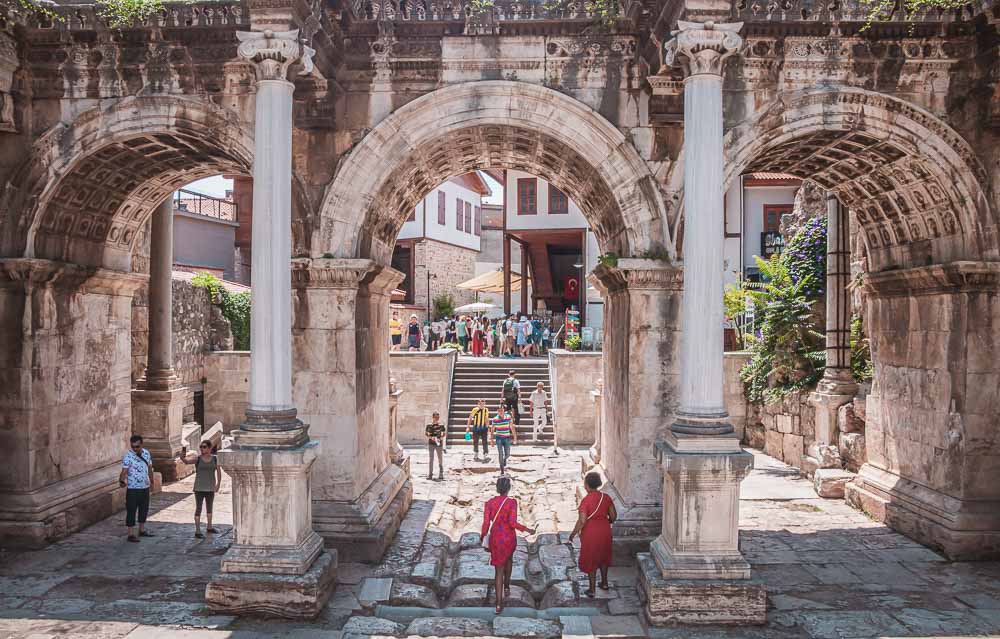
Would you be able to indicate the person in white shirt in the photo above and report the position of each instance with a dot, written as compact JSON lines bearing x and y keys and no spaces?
{"x":539,"y":400}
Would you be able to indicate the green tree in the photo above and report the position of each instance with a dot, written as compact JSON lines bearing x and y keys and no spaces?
{"x":235,"y":308}
{"x":444,"y":306}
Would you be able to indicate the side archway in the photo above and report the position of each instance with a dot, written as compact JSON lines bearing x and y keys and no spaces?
{"x":913,"y":185}
{"x":491,"y":124}
{"x":92,"y":184}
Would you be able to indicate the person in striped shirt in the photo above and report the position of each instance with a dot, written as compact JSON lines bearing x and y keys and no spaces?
{"x":479,"y":423}
{"x":504,"y":434}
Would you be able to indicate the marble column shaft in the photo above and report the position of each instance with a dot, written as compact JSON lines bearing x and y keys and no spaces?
{"x":159,"y":354}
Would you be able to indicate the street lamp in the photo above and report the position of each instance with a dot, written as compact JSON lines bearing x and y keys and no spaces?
{"x":429,"y":278}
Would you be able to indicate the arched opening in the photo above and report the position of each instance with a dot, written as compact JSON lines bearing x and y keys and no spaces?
{"x":924,"y":236}
{"x":79,"y":213}
{"x":450,"y":132}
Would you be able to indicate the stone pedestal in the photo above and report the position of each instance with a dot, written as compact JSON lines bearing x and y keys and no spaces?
{"x":277,"y":565}
{"x":699,"y":601}
{"x":396,"y":452}
{"x":341,"y":312}
{"x":158,"y":415}
{"x":700,"y":536}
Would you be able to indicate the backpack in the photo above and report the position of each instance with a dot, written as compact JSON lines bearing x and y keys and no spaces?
{"x":509,"y":392}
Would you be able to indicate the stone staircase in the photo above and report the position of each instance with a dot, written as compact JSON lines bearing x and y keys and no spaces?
{"x":476,"y":378}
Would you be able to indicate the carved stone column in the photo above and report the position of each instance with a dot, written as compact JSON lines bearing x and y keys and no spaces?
{"x":158,"y":400}
{"x":277,"y":565}
{"x":341,"y":323}
{"x":837,"y":386}
{"x":640,"y":379}
{"x":700,"y":454}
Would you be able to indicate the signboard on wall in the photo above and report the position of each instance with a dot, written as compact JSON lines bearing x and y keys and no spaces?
{"x":771,"y":243}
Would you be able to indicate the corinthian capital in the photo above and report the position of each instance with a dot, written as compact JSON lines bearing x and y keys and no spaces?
{"x":272,"y":52}
{"x":702,"y":47}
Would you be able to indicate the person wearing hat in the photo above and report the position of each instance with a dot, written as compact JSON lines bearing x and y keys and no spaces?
{"x":538,"y":400}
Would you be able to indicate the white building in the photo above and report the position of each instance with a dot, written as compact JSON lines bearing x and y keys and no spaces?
{"x":754,"y":205}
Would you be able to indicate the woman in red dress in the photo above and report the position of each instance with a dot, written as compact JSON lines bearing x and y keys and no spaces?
{"x":597,"y":513}
{"x":502,"y":512}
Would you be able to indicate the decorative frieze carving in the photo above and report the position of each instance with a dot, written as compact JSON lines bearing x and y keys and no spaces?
{"x":956,"y":277}
{"x":8,"y":65}
{"x":273,"y":52}
{"x":702,"y":47}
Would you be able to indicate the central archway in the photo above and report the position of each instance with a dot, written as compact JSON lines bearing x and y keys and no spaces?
{"x":342,"y":295}
{"x":492,"y":124}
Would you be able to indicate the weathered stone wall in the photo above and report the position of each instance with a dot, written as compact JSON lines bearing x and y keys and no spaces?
{"x":425,"y":379}
{"x":198,"y":329}
{"x":573,"y":376}
{"x":227,"y":382}
{"x":783,"y":429}
{"x":64,"y":433}
{"x":451,"y":264}
{"x":931,"y":432}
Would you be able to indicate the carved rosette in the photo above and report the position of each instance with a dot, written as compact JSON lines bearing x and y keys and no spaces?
{"x":701,"y":48}
{"x":272,"y":52}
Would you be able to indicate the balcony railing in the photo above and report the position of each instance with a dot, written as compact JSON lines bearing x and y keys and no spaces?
{"x":475,"y":11}
{"x":205,"y":205}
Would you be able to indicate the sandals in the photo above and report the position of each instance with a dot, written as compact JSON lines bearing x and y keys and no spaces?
{"x":604,"y":586}
{"x":589,"y":593}
{"x":133,"y":539}
{"x":211,"y":530}
{"x":145,"y":533}
{"x":198,"y":535}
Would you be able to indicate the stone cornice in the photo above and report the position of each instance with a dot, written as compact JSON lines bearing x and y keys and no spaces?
{"x":330,"y":272}
{"x":954,"y":277}
{"x":30,"y":273}
{"x":637,"y":274}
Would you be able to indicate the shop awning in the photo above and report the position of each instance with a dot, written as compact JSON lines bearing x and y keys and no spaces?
{"x":492,"y":282}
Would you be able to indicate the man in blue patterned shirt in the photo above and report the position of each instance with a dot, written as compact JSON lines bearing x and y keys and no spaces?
{"x":137,"y":477}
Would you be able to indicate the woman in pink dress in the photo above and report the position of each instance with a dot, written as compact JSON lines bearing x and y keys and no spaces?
{"x":500,"y":521}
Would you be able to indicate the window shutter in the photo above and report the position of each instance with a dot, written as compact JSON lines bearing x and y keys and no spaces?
{"x":442,"y":205}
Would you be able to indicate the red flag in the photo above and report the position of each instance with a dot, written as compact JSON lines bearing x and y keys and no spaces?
{"x":571,"y":288}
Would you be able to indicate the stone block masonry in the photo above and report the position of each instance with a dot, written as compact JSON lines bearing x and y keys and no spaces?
{"x":574,"y":376}
{"x":425,"y":379}
{"x":227,"y":382}
{"x":449,"y":264}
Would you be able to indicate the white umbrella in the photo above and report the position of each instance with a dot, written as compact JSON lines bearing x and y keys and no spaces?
{"x":476,"y":307}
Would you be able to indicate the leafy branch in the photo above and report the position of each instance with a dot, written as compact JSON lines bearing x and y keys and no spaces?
{"x":117,"y":13}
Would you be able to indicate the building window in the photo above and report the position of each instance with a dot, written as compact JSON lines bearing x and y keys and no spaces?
{"x":442,"y":205}
{"x":477,"y":225}
{"x":527,"y":202}
{"x":558,"y":202}
{"x":468,"y":217}
{"x":772,"y":216}
{"x":459,"y":209}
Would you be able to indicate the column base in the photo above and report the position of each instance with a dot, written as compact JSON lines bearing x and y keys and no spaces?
{"x":298,"y":596}
{"x":158,"y":415}
{"x":963,"y":530}
{"x":698,"y":565}
{"x":271,"y":429}
{"x":362,"y":529}
{"x":701,"y":601}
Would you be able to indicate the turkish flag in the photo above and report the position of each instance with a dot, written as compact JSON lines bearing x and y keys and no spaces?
{"x":571,"y":288}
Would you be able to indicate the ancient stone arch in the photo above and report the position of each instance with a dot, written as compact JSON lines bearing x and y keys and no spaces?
{"x":914,"y":186}
{"x":93,"y":183}
{"x":501,"y":124}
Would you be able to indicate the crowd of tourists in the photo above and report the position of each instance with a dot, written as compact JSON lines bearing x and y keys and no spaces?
{"x":508,"y":336}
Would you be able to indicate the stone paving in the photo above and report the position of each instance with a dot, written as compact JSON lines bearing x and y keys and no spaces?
{"x":831,"y":573}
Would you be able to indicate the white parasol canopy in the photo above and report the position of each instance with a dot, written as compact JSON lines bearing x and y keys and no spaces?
{"x":476,"y":307}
